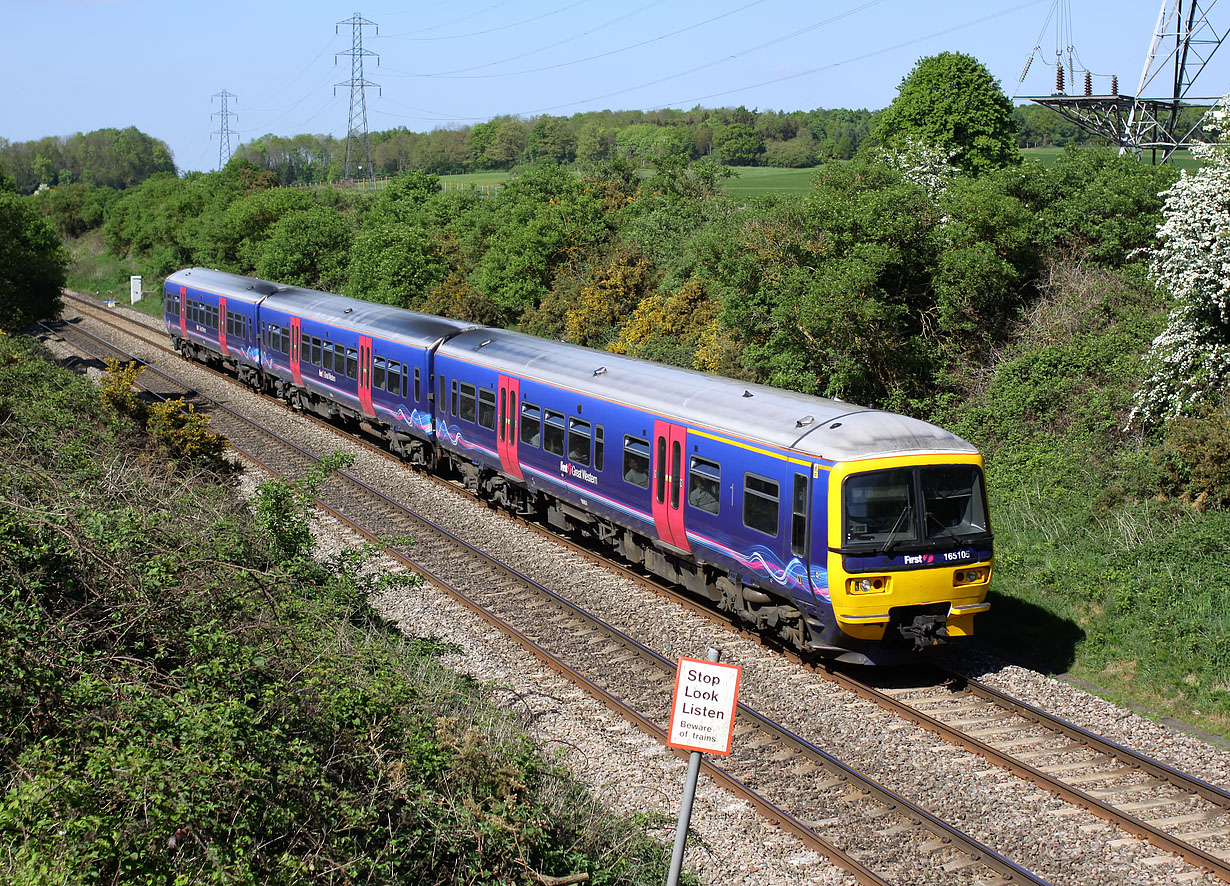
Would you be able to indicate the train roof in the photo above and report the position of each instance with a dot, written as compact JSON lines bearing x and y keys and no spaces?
{"x":827,"y":429}
{"x":384,"y":321}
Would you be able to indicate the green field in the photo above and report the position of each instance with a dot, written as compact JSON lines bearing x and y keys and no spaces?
{"x":754,"y":180}
{"x":1047,"y":156}
{"x":485,"y":182}
{"x":751,"y":181}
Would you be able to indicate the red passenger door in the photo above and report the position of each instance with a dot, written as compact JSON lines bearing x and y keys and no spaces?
{"x":183,"y":310}
{"x":506,"y":439}
{"x":669,"y":475}
{"x":222,"y":325}
{"x":365,"y":375}
{"x":295,"y":348}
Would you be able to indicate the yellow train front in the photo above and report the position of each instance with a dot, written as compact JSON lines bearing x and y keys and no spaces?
{"x":909,"y":554}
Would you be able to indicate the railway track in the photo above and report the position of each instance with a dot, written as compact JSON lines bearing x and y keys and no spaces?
{"x":570,"y":640}
{"x":1173,"y":810}
{"x":939,"y":707}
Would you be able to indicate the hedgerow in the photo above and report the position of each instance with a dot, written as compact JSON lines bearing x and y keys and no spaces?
{"x":180,"y":703}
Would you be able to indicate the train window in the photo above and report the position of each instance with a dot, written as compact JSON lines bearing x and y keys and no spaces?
{"x":676,"y":473}
{"x":704,"y":484}
{"x":553,"y":431}
{"x":352,"y":363}
{"x":454,"y":396}
{"x":599,"y":448}
{"x":760,"y":504}
{"x":468,"y":409}
{"x":531,"y":424}
{"x":798,"y":520}
{"x":285,"y":340}
{"x":417,"y":388}
{"x":213,"y":316}
{"x":953,"y":501}
{"x":392,"y":382}
{"x":444,"y":395}
{"x":880,"y":507}
{"x":327,"y":354}
{"x":580,"y":436}
{"x":405,"y":380}
{"x":486,"y":409}
{"x":378,"y":373}
{"x":503,"y":419}
{"x":316,"y":351}
{"x":636,"y":462}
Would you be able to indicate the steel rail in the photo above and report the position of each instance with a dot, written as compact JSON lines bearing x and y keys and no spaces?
{"x":972,"y":847}
{"x":1159,"y":838}
{"x":770,"y":811}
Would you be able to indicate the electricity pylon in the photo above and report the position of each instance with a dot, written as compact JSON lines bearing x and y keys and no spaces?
{"x":224,"y":126}
{"x":357,"y":127}
{"x":1184,"y":40}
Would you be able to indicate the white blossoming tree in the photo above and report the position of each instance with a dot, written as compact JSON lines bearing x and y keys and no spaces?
{"x":923,"y":163}
{"x":1191,"y":357}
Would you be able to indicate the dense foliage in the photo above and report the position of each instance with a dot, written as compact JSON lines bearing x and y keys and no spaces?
{"x":736,"y":136}
{"x":110,"y":158}
{"x":188,"y":698}
{"x":32,"y":265}
{"x":951,"y":101}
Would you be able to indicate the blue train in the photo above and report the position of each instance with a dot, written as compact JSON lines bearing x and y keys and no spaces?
{"x":850,"y":533}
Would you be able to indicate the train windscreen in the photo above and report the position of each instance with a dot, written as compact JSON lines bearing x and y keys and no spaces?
{"x":881,"y":508}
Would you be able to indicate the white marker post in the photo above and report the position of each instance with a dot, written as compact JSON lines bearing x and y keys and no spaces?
{"x":134,"y":289}
{"x":702,"y":721}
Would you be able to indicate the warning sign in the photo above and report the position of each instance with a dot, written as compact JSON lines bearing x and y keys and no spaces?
{"x":703,"y":715}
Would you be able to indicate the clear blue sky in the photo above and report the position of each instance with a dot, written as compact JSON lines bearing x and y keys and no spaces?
{"x":76,"y":65}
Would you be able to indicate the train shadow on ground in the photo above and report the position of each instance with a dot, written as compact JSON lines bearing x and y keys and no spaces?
{"x":1027,"y":635}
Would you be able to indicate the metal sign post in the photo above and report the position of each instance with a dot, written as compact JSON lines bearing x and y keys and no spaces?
{"x":702,"y":721}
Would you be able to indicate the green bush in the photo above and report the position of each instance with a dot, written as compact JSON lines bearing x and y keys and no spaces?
{"x":1193,"y":455}
{"x":182,"y":705}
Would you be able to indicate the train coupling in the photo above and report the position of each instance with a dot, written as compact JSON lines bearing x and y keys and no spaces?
{"x":925,"y":631}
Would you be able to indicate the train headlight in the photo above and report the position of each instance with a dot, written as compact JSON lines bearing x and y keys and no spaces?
{"x":972,"y":576}
{"x":871,"y":584}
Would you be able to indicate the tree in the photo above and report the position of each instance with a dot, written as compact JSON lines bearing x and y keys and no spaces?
{"x":1190,"y":358}
{"x":32,"y":264}
{"x":309,"y":248}
{"x":737,"y":145}
{"x":394,"y":263}
{"x":551,"y":140}
{"x":952,"y":102}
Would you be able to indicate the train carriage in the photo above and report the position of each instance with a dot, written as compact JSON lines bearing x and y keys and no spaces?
{"x":212,"y":316}
{"x":345,"y":358}
{"x":799,"y":514}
